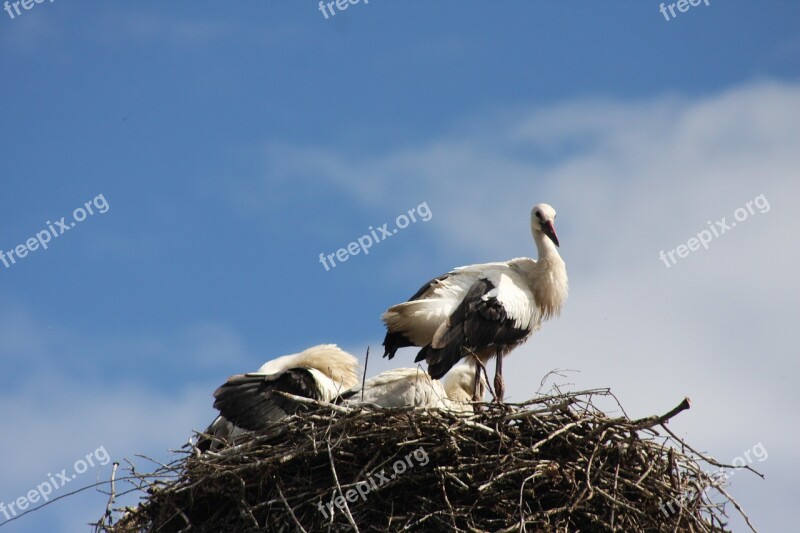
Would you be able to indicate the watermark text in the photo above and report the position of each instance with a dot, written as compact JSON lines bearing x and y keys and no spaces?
{"x":682,"y":6}
{"x":340,"y":5}
{"x":43,"y":490}
{"x":373,"y":482}
{"x":365,"y":242}
{"x":717,"y":478}
{"x":720,"y":227}
{"x":53,"y":230}
{"x":27,"y":5}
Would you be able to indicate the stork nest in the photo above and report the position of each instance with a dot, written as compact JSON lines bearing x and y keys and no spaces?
{"x":556,"y":463}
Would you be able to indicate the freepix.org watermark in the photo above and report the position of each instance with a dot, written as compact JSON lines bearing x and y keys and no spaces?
{"x":13,"y":7}
{"x":53,"y":230}
{"x":720,"y":477}
{"x":365,"y":242}
{"x":714,"y":230}
{"x":340,"y":5}
{"x":373,"y":482}
{"x":682,"y":6}
{"x":43,"y":490}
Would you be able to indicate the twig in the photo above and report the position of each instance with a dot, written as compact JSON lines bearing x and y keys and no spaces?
{"x":651,"y":421}
{"x":289,"y":508}
{"x":339,"y":487}
{"x":364,"y":376}
{"x":112,"y":497}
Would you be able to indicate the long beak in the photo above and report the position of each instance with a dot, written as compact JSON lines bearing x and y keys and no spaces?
{"x":549,"y":230}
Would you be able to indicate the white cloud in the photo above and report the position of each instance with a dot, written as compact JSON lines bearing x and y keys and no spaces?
{"x":183,"y":33}
{"x":53,"y":421}
{"x":59,"y":405}
{"x":207,"y":345}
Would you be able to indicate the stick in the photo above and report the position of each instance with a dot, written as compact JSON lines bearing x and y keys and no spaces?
{"x":650,"y":421}
{"x":364,"y":376}
{"x":113,"y":496}
{"x":289,"y":508}
{"x":338,"y":486}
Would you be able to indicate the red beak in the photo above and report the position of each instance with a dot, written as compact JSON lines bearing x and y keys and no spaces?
{"x":549,"y":230}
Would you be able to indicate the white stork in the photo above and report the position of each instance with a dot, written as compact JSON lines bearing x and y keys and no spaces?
{"x":247,"y":402}
{"x":482,"y":311}
{"x":413,"y":387}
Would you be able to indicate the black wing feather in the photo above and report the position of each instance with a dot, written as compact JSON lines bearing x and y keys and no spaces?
{"x":216,"y":435}
{"x":249,"y":401}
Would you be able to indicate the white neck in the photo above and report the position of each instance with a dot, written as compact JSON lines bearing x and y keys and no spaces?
{"x":458,"y":394}
{"x":458,"y":383}
{"x":549,"y":277}
{"x":544,"y":246}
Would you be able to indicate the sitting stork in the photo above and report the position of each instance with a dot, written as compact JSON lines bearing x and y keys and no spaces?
{"x":482,"y":311}
{"x":248,"y":402}
{"x":413,"y":387}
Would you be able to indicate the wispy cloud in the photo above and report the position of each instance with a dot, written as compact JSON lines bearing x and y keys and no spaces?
{"x":183,"y":33}
{"x":649,"y":160}
{"x":56,"y":420}
{"x":202,"y":346}
{"x":62,"y":403}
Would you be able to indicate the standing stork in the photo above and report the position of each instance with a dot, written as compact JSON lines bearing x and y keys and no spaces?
{"x":482,"y":311}
{"x":249,"y":402}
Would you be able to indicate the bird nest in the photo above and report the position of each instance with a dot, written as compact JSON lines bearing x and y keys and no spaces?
{"x":556,"y":463}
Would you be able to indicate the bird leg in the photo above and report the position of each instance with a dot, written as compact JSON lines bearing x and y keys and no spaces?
{"x":480,"y":368}
{"x":477,"y":390}
{"x":499,"y":383}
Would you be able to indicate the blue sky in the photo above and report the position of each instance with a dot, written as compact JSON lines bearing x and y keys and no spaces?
{"x":235,"y":143}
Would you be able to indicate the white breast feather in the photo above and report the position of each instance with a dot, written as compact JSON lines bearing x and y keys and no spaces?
{"x":403,"y":387}
{"x":515,"y":297}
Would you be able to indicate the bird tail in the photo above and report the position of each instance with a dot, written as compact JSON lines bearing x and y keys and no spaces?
{"x":393,"y":342}
{"x":397,"y":319}
{"x":440,"y":360}
{"x":413,"y":323}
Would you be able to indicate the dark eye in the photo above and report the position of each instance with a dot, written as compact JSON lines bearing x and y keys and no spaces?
{"x":539,"y":215}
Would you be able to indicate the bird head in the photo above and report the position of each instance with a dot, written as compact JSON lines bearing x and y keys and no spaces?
{"x":459,"y":381}
{"x":543,"y":218}
{"x":329,"y":359}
